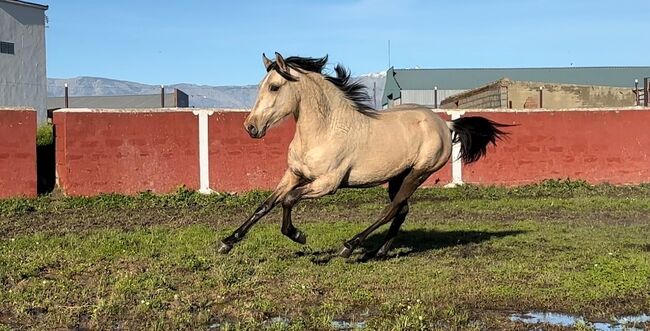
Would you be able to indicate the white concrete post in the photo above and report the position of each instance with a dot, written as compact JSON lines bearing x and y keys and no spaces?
{"x":456,"y":162}
{"x":204,"y":157}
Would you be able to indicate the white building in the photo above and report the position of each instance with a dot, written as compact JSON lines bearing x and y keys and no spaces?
{"x":23,"y":80}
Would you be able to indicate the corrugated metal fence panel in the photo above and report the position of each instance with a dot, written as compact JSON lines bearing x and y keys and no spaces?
{"x":425,"y":97}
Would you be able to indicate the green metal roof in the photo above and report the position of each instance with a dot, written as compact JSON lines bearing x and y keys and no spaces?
{"x":462,"y":79}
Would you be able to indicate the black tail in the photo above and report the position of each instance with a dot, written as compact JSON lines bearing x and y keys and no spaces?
{"x":474,"y":134}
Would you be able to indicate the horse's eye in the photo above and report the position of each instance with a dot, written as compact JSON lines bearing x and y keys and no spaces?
{"x":274,"y":88}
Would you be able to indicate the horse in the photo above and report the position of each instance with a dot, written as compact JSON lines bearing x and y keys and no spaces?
{"x":341,"y":142}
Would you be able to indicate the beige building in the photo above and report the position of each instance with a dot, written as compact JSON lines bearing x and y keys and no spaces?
{"x":429,"y":87}
{"x":506,"y":93}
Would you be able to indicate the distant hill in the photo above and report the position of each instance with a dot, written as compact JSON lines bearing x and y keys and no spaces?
{"x":200,"y":95}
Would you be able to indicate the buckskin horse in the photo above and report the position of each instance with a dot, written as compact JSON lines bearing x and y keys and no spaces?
{"x":340,"y":141}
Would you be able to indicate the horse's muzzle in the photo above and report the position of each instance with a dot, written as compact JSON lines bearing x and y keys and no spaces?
{"x":254,"y":132}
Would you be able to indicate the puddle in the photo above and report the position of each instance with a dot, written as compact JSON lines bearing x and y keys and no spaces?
{"x":278,"y":320}
{"x":630,"y":323}
{"x":345,"y":325}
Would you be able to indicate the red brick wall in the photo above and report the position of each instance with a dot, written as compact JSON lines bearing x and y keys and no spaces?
{"x":240,"y":163}
{"x":596,"y":146}
{"x":126,"y":152}
{"x":17,"y":153}
{"x":132,"y":152}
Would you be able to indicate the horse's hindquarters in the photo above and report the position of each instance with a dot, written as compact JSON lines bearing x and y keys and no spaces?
{"x":399,"y":141}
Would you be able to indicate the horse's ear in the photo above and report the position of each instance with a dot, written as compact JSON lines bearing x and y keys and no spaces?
{"x":281,"y":64}
{"x":267,"y":62}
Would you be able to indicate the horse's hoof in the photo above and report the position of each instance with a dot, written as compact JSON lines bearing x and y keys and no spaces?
{"x":299,"y":237}
{"x":224,"y":248}
{"x":345,"y":252}
{"x":381,"y":254}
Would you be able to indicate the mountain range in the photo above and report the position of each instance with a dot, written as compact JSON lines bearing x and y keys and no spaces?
{"x":201,"y":96}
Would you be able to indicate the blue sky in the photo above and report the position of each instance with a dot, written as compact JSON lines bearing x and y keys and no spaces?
{"x":220,"y":42}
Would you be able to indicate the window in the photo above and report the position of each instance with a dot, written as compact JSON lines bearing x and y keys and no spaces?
{"x":6,"y":48}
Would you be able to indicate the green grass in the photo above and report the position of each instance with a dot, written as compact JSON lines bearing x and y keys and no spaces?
{"x":465,"y":259}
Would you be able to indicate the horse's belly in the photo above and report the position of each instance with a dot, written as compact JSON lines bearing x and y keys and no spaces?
{"x":366,"y":174}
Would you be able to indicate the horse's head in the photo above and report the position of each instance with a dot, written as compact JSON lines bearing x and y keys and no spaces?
{"x":277,"y":97}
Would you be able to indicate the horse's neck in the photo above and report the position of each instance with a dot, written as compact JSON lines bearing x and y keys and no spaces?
{"x":325,"y":112}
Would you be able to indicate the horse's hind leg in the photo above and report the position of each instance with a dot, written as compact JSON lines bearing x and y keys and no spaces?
{"x":393,"y":230}
{"x":393,"y":187}
{"x":411,"y":182}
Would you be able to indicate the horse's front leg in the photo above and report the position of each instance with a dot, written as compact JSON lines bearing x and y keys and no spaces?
{"x":288,"y":229}
{"x":318,"y":188}
{"x":289,"y":182}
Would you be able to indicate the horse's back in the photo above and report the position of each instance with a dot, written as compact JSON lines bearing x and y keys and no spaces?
{"x":410,"y":136}
{"x":419,"y":113}
{"x":412,"y":109}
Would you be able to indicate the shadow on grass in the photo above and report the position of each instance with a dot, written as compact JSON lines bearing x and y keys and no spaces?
{"x":414,"y":241}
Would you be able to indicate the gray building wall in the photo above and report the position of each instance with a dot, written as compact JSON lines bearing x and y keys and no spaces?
{"x":174,"y":99}
{"x":426,"y":97}
{"x":23,"y":80}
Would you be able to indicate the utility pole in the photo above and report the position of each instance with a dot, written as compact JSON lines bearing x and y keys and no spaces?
{"x":374,"y":94}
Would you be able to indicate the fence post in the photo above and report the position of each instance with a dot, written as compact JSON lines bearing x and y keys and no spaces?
{"x":65,"y":96}
{"x":636,"y":92}
{"x":541,"y":105}
{"x":162,"y":96}
{"x":435,"y":97}
{"x":645,"y":91}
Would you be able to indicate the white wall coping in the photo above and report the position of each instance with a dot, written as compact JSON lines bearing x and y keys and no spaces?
{"x":18,"y":108}
{"x":536,"y":110}
{"x":242,"y":110}
{"x":145,"y":110}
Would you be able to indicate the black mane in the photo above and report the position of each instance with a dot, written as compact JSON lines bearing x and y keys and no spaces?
{"x":353,"y":90}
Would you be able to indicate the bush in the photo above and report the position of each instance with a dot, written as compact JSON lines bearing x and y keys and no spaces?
{"x":45,"y":135}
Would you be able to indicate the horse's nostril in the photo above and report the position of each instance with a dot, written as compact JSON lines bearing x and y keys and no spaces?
{"x":252,"y":130}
